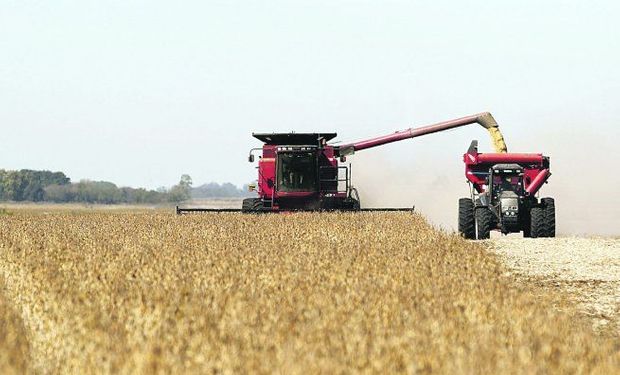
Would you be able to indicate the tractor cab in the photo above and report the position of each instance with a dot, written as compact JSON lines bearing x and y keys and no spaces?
{"x":506,"y":179}
{"x":505,"y":188}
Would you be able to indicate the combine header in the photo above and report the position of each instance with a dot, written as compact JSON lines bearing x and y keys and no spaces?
{"x":301,"y":171}
{"x":503,"y":195}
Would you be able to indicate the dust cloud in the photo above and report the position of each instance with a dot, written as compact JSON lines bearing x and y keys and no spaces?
{"x":391,"y":183}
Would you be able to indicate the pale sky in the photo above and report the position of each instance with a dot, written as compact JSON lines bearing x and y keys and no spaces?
{"x":139,"y":92}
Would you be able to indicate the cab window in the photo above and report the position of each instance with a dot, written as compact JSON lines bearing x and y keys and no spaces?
{"x":297,"y":171}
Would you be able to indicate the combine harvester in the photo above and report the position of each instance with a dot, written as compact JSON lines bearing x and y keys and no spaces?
{"x":503,"y":195}
{"x":300,"y":171}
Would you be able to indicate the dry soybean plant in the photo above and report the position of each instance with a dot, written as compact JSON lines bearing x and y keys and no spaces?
{"x":118,"y":292}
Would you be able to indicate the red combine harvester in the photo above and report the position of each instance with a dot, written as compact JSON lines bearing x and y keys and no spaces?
{"x":301,"y":171}
{"x":503,"y":195}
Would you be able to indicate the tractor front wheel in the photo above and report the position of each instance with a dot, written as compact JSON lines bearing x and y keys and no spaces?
{"x":467,"y":224}
{"x":484,"y":222}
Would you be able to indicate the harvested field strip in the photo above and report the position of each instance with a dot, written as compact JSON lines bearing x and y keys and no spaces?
{"x":586,"y":269}
{"x":122,"y":292}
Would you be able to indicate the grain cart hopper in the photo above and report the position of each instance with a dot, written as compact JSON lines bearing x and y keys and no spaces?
{"x":503,"y":195}
{"x":301,"y":171}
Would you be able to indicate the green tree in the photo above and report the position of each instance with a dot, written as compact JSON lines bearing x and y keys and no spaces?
{"x":186,"y":181}
{"x":28,"y":185}
{"x":182,"y":191}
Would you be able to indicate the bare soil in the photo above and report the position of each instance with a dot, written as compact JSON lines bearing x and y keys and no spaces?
{"x":587,"y":269}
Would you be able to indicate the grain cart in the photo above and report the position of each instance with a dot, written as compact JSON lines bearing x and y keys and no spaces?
{"x":301,"y":171}
{"x":503,"y":195}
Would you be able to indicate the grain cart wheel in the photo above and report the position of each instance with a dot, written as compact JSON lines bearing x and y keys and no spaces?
{"x":537,"y":222}
{"x":484,"y":223}
{"x":467,"y":224}
{"x":549,"y":210}
{"x":251,"y":205}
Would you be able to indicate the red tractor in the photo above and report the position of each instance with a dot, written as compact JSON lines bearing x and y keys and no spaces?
{"x":301,"y":171}
{"x":503,"y":195}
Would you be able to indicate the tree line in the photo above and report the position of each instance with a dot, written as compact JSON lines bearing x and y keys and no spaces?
{"x":46,"y":186}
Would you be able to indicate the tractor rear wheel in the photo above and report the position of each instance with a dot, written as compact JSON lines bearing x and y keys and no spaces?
{"x":467,"y":224}
{"x":484,"y":222}
{"x":549,"y":210}
{"x":537,"y":222}
{"x":252,"y":205}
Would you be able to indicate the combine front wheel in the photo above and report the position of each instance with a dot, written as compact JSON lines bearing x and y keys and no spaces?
{"x":250,"y":205}
{"x":467,"y":225}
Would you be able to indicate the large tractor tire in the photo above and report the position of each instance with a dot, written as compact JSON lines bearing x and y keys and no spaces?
{"x":548,"y":205}
{"x":485,"y":221}
{"x":250,"y":205}
{"x":537,"y":222}
{"x":467,"y":223}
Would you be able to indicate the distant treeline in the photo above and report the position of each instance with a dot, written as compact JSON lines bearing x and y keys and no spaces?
{"x":45,"y":186}
{"x":27,"y":185}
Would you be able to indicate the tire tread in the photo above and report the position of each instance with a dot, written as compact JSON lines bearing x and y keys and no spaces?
{"x":485,"y":221}
{"x":467,"y":224}
{"x":537,"y":222}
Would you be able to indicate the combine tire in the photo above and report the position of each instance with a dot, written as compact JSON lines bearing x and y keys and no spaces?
{"x":467,"y":224}
{"x":250,"y":205}
{"x":537,"y":222}
{"x":549,"y":211}
{"x":484,"y":223}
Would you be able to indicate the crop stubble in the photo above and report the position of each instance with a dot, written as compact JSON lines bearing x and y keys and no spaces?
{"x":147,"y":292}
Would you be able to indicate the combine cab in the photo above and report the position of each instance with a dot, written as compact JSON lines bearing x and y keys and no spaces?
{"x":301,"y":172}
{"x":503,"y":195}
